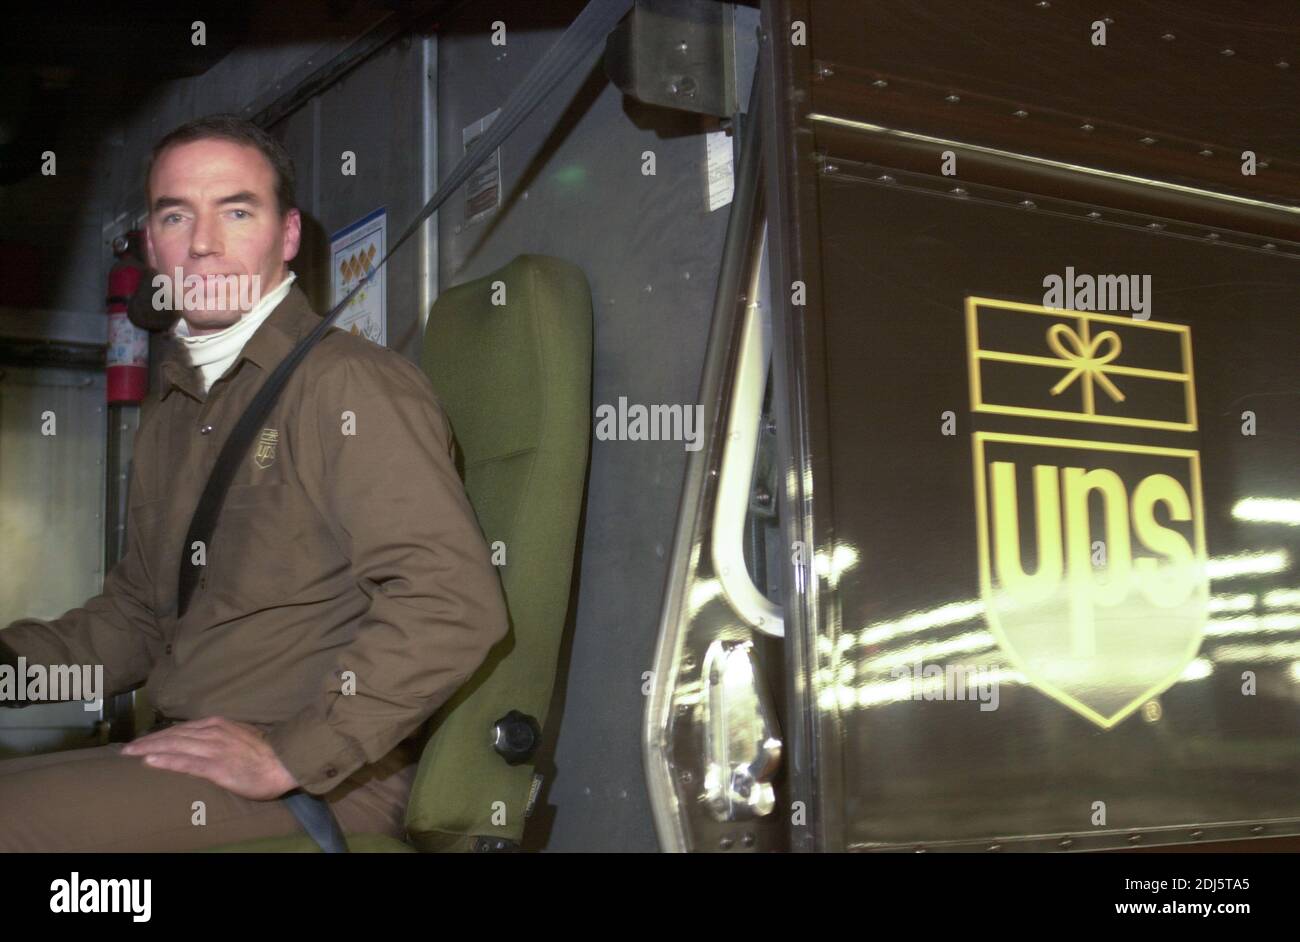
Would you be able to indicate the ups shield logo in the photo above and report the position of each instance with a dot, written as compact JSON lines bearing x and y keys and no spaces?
{"x":264,"y":454}
{"x":1091,"y":553}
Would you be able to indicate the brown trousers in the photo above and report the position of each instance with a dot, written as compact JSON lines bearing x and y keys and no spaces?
{"x":98,"y":800}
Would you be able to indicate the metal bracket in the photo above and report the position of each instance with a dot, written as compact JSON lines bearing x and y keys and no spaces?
{"x":677,"y":54}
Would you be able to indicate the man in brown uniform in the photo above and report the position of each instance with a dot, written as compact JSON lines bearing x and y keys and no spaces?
{"x":347,"y":591}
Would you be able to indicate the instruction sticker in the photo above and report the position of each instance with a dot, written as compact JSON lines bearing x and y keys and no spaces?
{"x":355,"y":250}
{"x":483,"y":188}
{"x":721,"y":169}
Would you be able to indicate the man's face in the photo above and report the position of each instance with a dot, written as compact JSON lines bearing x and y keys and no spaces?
{"x":214,"y":213}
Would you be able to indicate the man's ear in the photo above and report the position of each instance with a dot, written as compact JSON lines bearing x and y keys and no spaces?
{"x":148,"y":249}
{"x":292,"y":234}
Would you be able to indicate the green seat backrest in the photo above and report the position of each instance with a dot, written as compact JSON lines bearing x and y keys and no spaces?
{"x":515,"y":379}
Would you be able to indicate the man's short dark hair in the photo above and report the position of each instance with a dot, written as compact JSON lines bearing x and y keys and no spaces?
{"x":230,"y":127}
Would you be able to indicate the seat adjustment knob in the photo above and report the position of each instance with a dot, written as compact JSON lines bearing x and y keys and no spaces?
{"x":515,"y":737}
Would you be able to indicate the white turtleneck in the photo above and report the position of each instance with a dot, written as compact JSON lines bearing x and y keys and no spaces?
{"x":214,"y":353}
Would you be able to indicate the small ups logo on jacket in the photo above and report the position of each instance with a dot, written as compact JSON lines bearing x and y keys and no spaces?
{"x":264,"y":454}
{"x":1091,"y":552}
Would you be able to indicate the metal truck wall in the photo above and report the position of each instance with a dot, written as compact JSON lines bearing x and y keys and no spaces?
{"x":573,"y":188}
{"x":52,"y":528}
{"x":374,"y":112}
{"x":1067,"y":559}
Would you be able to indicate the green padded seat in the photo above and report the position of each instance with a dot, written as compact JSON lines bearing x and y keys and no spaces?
{"x":515,"y":379}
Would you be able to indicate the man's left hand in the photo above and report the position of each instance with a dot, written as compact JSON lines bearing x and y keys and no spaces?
{"x":234,"y":755}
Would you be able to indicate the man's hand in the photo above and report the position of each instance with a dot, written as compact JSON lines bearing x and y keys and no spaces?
{"x":231,"y":754}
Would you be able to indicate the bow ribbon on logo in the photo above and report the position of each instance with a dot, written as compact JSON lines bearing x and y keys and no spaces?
{"x":1087,"y":359}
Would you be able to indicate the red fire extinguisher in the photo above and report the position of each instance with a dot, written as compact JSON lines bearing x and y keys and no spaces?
{"x":128,"y":345}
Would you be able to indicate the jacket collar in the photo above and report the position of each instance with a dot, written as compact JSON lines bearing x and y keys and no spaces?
{"x":292,"y":319}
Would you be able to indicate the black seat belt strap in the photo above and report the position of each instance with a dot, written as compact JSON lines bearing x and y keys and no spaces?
{"x":317,"y":819}
{"x":591,"y":26}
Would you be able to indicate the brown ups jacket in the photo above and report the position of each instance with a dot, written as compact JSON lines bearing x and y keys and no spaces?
{"x":346,"y":555}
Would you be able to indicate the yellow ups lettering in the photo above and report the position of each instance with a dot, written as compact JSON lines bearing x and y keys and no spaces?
{"x":1174,"y":584}
{"x":1119,"y":555}
{"x":1006,"y":533}
{"x":1166,"y":586}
